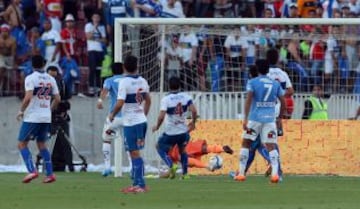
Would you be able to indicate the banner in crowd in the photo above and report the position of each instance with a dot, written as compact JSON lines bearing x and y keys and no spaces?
{"x":307,"y":147}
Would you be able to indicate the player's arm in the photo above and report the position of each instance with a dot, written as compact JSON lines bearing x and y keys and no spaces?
{"x":160,"y":120}
{"x":118,"y":106}
{"x":282,"y":107}
{"x":25,"y":103}
{"x":289,"y":91}
{"x":120,"y":101}
{"x":147,"y":103}
{"x":104,"y":92}
{"x":193,"y":111}
{"x":56,"y":98}
{"x":249,"y":98}
{"x":55,"y":102}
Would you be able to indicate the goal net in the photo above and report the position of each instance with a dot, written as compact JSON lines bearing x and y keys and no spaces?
{"x":215,"y":55}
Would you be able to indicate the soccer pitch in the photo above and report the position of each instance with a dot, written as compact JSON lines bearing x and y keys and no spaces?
{"x":91,"y":191}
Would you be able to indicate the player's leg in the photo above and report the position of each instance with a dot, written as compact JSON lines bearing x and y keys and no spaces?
{"x":269,"y":138}
{"x":134,"y":142}
{"x":111,"y":131}
{"x":163,"y":147}
{"x":194,"y":162}
{"x":254,"y":145}
{"x":214,"y":148}
{"x":26,"y":131}
{"x":106,"y":147}
{"x":249,"y":136}
{"x":42,"y":137}
{"x":182,"y":141}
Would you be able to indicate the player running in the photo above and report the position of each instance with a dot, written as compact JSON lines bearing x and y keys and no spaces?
{"x":175,"y":106}
{"x":35,"y":112}
{"x":113,"y":130}
{"x":262,"y":94}
{"x":133,"y":92}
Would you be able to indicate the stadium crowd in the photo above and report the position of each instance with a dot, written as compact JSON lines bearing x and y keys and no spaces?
{"x":75,"y":35}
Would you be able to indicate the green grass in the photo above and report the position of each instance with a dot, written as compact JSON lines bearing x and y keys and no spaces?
{"x":91,"y":191}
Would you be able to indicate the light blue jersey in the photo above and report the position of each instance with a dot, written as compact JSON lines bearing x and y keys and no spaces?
{"x":265,"y":94}
{"x":112,"y":85}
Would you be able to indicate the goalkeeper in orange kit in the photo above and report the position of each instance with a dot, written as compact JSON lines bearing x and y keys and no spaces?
{"x":195,"y":150}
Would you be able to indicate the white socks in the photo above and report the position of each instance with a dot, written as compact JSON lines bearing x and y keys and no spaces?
{"x":274,"y":160}
{"x":244,"y":156}
{"x":106,"y":148}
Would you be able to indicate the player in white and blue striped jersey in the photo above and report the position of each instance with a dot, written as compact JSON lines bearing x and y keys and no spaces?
{"x":36,"y":111}
{"x":134,"y":102}
{"x":111,"y":130}
{"x":174,"y":106}
{"x":262,"y":95}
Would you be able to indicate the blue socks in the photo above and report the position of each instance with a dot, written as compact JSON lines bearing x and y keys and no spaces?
{"x":184,"y":162}
{"x":45,"y":154}
{"x":250,"y":159}
{"x":27,"y":157}
{"x":165,"y":157}
{"x":138,"y":170}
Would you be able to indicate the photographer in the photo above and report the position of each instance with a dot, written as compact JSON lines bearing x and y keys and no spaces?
{"x":62,"y":154}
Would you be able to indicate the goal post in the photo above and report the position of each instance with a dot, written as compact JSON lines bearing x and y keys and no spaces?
{"x":218,"y":67}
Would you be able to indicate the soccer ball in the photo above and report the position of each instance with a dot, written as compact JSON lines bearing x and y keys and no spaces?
{"x":215,"y":162}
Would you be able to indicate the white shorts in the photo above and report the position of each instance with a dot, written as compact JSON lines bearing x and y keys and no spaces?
{"x":6,"y":62}
{"x":328,"y":66}
{"x":267,"y":132}
{"x":116,"y":126}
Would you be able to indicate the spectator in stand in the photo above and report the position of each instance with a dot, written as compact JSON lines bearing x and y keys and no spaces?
{"x":200,"y":10}
{"x":51,"y":10}
{"x":52,"y":41}
{"x":29,"y":13}
{"x":317,"y":55}
{"x":295,"y":63}
{"x":115,"y":9}
{"x":189,"y":44}
{"x":7,"y":56}
{"x":171,"y":9}
{"x":96,"y":39}
{"x":69,"y":61}
{"x":354,"y":6}
{"x":68,"y":37}
{"x":294,"y":12}
{"x":148,"y":8}
{"x":36,"y":47}
{"x":252,"y":38}
{"x":202,"y":7}
{"x":2,"y":5}
{"x":305,"y":6}
{"x":352,"y":50}
{"x":285,"y":8}
{"x":172,"y":57}
{"x":236,"y":49}
{"x":13,"y":14}
{"x":345,"y":11}
{"x":331,"y":59}
{"x":223,"y":8}
{"x":268,"y":13}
